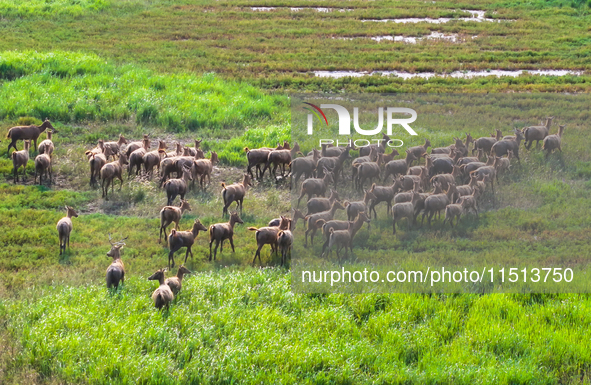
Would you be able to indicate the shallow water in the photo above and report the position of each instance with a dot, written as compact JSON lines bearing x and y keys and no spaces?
{"x":477,"y":16}
{"x":455,"y":74}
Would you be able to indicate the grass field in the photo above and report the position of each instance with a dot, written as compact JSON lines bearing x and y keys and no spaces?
{"x":219,"y":71}
{"x":278,"y":49}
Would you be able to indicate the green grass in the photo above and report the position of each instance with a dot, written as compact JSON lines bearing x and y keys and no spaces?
{"x":81,"y":88}
{"x":232,"y":326}
{"x":35,"y":8}
{"x":276,"y":50}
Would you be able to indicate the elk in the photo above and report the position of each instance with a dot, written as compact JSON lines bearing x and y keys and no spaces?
{"x":115,"y":271}
{"x":371,"y":157}
{"x":163,"y":295}
{"x":400,"y":166}
{"x":277,"y":158}
{"x":42,"y":167}
{"x":219,"y":232}
{"x":180,"y":239}
{"x":297,"y":214}
{"x":405,"y":210}
{"x":284,"y":242}
{"x":152,"y":159}
{"x":407,"y":196}
{"x":486,"y":142}
{"x":553,"y":142}
{"x":334,"y":163}
{"x":109,"y":172}
{"x":177,"y":152}
{"x":470,"y":159}
{"x":383,"y":194}
{"x":316,"y":205}
{"x":501,"y":147}
{"x":46,"y":146}
{"x":131,"y":147}
{"x":176,"y":283}
{"x":503,"y":164}
{"x":193,"y":150}
{"x":235,"y":193}
{"x":136,"y":159}
{"x":96,"y":162}
{"x":255,"y":158}
{"x":31,"y":132}
{"x":354,"y":208}
{"x":378,"y":148}
{"x":368,"y":170}
{"x":204,"y":167}
{"x":437,"y":202}
{"x":316,"y":186}
{"x":268,"y":236}
{"x":305,"y":165}
{"x":313,"y":219}
{"x":174,"y":187}
{"x":340,"y":225}
{"x":99,"y":149}
{"x":20,"y":159}
{"x":170,"y":214}
{"x":419,"y":151}
{"x":115,"y":147}
{"x":176,"y":164}
{"x":64,"y":228}
{"x":344,"y":238}
{"x":536,"y":133}
{"x":447,"y":179}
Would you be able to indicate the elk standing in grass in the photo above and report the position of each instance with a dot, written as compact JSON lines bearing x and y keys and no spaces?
{"x":42,"y":167}
{"x":219,"y":232}
{"x":339,"y":225}
{"x":277,"y":158}
{"x":501,"y":147}
{"x":316,"y":186}
{"x":47,"y":147}
{"x":131,"y":147}
{"x":163,"y":295}
{"x":316,"y":205}
{"x":115,"y":147}
{"x":180,"y":239}
{"x":312,"y":221}
{"x":204,"y":168}
{"x":176,"y":283}
{"x":553,"y":142}
{"x":96,"y":162}
{"x":64,"y":228}
{"x":116,"y":271}
{"x":284,"y":242}
{"x":405,"y":210}
{"x":268,"y":236}
{"x":20,"y":159}
{"x":305,"y":165}
{"x":399,"y":166}
{"x":419,"y":151}
{"x":109,"y":172}
{"x":170,"y":214}
{"x":437,"y":202}
{"x":152,"y":159}
{"x":31,"y":132}
{"x":256,"y":157}
{"x":99,"y":149}
{"x":193,"y":150}
{"x":174,"y":187}
{"x":235,"y":193}
{"x":536,"y":133}
{"x":344,"y":238}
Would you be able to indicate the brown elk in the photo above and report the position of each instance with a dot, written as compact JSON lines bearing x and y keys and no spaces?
{"x":305,"y":165}
{"x":176,"y":283}
{"x":316,"y":205}
{"x":235,"y":193}
{"x":31,"y":132}
{"x":284,"y":242}
{"x":174,"y":187}
{"x":553,"y":142}
{"x":193,"y":150}
{"x":152,"y":159}
{"x":170,"y":214}
{"x":219,"y":232}
{"x":64,"y":228}
{"x":115,"y":147}
{"x":163,"y":295}
{"x":277,"y":158}
{"x":340,"y":225}
{"x":204,"y":168}
{"x":344,"y":238}
{"x":116,"y":271}
{"x":109,"y":172}
{"x":312,"y":221}
{"x":96,"y":162}
{"x":316,"y":186}
{"x":180,"y":239}
{"x":268,"y":236}
{"x":20,"y":159}
{"x":99,"y":149}
{"x":144,"y":143}
{"x":46,"y":146}
{"x":42,"y":167}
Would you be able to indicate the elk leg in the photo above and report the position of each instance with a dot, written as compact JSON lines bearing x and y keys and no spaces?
{"x":171,"y":258}
{"x":232,"y":244}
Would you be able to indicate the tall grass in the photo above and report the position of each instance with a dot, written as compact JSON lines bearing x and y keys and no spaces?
{"x":247,"y":327}
{"x":74,"y":87}
{"x":30,"y":8}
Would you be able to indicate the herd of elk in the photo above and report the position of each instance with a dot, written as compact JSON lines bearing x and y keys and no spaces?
{"x":429,"y":188}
